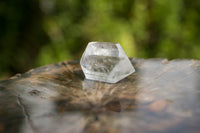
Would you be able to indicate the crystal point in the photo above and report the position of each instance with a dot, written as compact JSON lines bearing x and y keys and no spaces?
{"x":107,"y":62}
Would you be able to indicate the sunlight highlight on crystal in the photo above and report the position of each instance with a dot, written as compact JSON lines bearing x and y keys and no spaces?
{"x":105,"y":61}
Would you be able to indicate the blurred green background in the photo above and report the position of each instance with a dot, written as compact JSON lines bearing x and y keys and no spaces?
{"x":39,"y":32}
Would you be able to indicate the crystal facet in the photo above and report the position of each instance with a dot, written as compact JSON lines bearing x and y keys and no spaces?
{"x":107,"y":62}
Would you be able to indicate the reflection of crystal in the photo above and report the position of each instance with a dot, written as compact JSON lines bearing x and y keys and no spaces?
{"x":105,"y":62}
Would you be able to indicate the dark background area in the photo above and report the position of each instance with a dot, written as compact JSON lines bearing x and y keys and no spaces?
{"x":39,"y":32}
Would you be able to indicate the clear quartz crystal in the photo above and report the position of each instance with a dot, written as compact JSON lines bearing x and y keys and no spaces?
{"x":107,"y":62}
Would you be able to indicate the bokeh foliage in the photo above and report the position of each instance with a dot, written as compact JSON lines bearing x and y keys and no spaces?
{"x":38,"y":32}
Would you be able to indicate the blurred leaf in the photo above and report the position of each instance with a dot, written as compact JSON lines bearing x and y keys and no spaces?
{"x":39,"y":32}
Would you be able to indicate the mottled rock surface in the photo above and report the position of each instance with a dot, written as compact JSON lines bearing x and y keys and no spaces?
{"x":161,"y":96}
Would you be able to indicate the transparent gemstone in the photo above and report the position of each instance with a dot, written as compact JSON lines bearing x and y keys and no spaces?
{"x":107,"y":62}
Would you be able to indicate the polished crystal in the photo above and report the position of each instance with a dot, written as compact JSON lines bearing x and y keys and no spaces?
{"x":107,"y":62}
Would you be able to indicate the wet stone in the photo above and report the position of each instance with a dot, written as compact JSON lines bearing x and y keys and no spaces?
{"x":158,"y":97}
{"x":34,"y":92}
{"x":158,"y":106}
